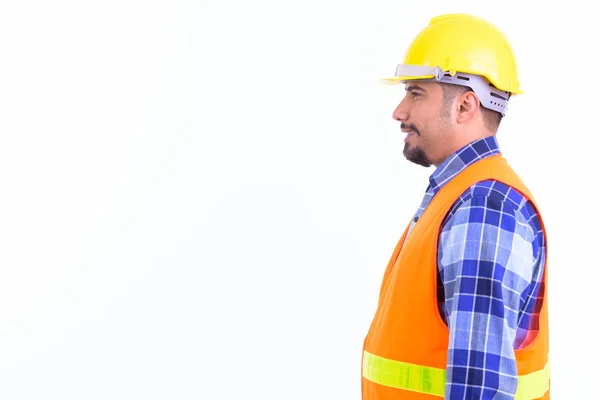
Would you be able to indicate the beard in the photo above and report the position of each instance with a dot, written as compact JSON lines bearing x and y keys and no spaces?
{"x":416,"y":155}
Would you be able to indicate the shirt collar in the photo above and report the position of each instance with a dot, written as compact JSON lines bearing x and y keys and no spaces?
{"x":461,"y":159}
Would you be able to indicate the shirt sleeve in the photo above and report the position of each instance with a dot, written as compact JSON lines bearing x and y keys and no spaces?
{"x":486,"y":261}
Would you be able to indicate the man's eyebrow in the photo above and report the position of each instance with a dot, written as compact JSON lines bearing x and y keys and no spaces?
{"x":414,"y":87}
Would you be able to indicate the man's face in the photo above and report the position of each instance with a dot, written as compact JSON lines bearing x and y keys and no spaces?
{"x":422,"y":117}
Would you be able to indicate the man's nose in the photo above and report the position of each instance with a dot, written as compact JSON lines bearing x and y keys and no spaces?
{"x":400,"y":113}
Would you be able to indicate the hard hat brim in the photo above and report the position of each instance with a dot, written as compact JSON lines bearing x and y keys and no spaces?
{"x":396,"y":80}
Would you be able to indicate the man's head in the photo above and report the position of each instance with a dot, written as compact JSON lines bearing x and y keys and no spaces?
{"x":440,"y":118}
{"x":459,"y":73}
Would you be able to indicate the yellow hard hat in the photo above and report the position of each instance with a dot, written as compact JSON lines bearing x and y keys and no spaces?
{"x":460,"y":43}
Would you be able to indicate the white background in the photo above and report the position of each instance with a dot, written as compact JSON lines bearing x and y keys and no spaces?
{"x":198,"y":200}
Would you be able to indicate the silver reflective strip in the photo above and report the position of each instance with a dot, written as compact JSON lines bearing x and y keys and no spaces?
{"x":419,"y":70}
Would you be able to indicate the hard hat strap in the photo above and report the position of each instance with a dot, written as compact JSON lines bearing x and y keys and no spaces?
{"x":489,"y":96}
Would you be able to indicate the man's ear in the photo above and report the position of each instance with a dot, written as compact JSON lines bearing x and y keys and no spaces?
{"x":468,"y":104}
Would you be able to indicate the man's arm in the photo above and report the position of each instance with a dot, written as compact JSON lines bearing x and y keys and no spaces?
{"x":486,"y":262}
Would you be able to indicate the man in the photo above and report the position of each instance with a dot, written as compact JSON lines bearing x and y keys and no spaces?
{"x":462,"y":310}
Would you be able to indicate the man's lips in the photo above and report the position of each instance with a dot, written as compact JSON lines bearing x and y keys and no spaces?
{"x":409,"y":133}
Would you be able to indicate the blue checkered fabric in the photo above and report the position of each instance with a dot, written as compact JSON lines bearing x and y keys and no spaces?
{"x":490,"y":265}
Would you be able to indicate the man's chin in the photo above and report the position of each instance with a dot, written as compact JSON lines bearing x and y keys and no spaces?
{"x":416,"y":156}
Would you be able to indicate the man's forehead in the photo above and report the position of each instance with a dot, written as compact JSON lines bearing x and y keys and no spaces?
{"x":412,"y":85}
{"x":419,"y":86}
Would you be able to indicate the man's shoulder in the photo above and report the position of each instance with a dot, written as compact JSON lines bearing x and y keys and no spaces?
{"x":498,"y":196}
{"x":497,"y":191}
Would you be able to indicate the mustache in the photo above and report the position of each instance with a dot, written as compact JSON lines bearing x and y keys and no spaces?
{"x":412,"y":127}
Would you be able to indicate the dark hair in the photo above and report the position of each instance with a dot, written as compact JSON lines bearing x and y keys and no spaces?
{"x":491,"y":118}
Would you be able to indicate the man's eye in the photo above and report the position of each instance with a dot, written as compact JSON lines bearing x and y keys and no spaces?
{"x":415,"y":94}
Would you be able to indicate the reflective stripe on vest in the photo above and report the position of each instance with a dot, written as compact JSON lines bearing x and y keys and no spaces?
{"x":430,"y":380}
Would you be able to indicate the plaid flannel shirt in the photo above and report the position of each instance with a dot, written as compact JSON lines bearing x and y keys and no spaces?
{"x":490,"y":265}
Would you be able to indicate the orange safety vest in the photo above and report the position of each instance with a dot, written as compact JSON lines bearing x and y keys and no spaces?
{"x":405,"y":351}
